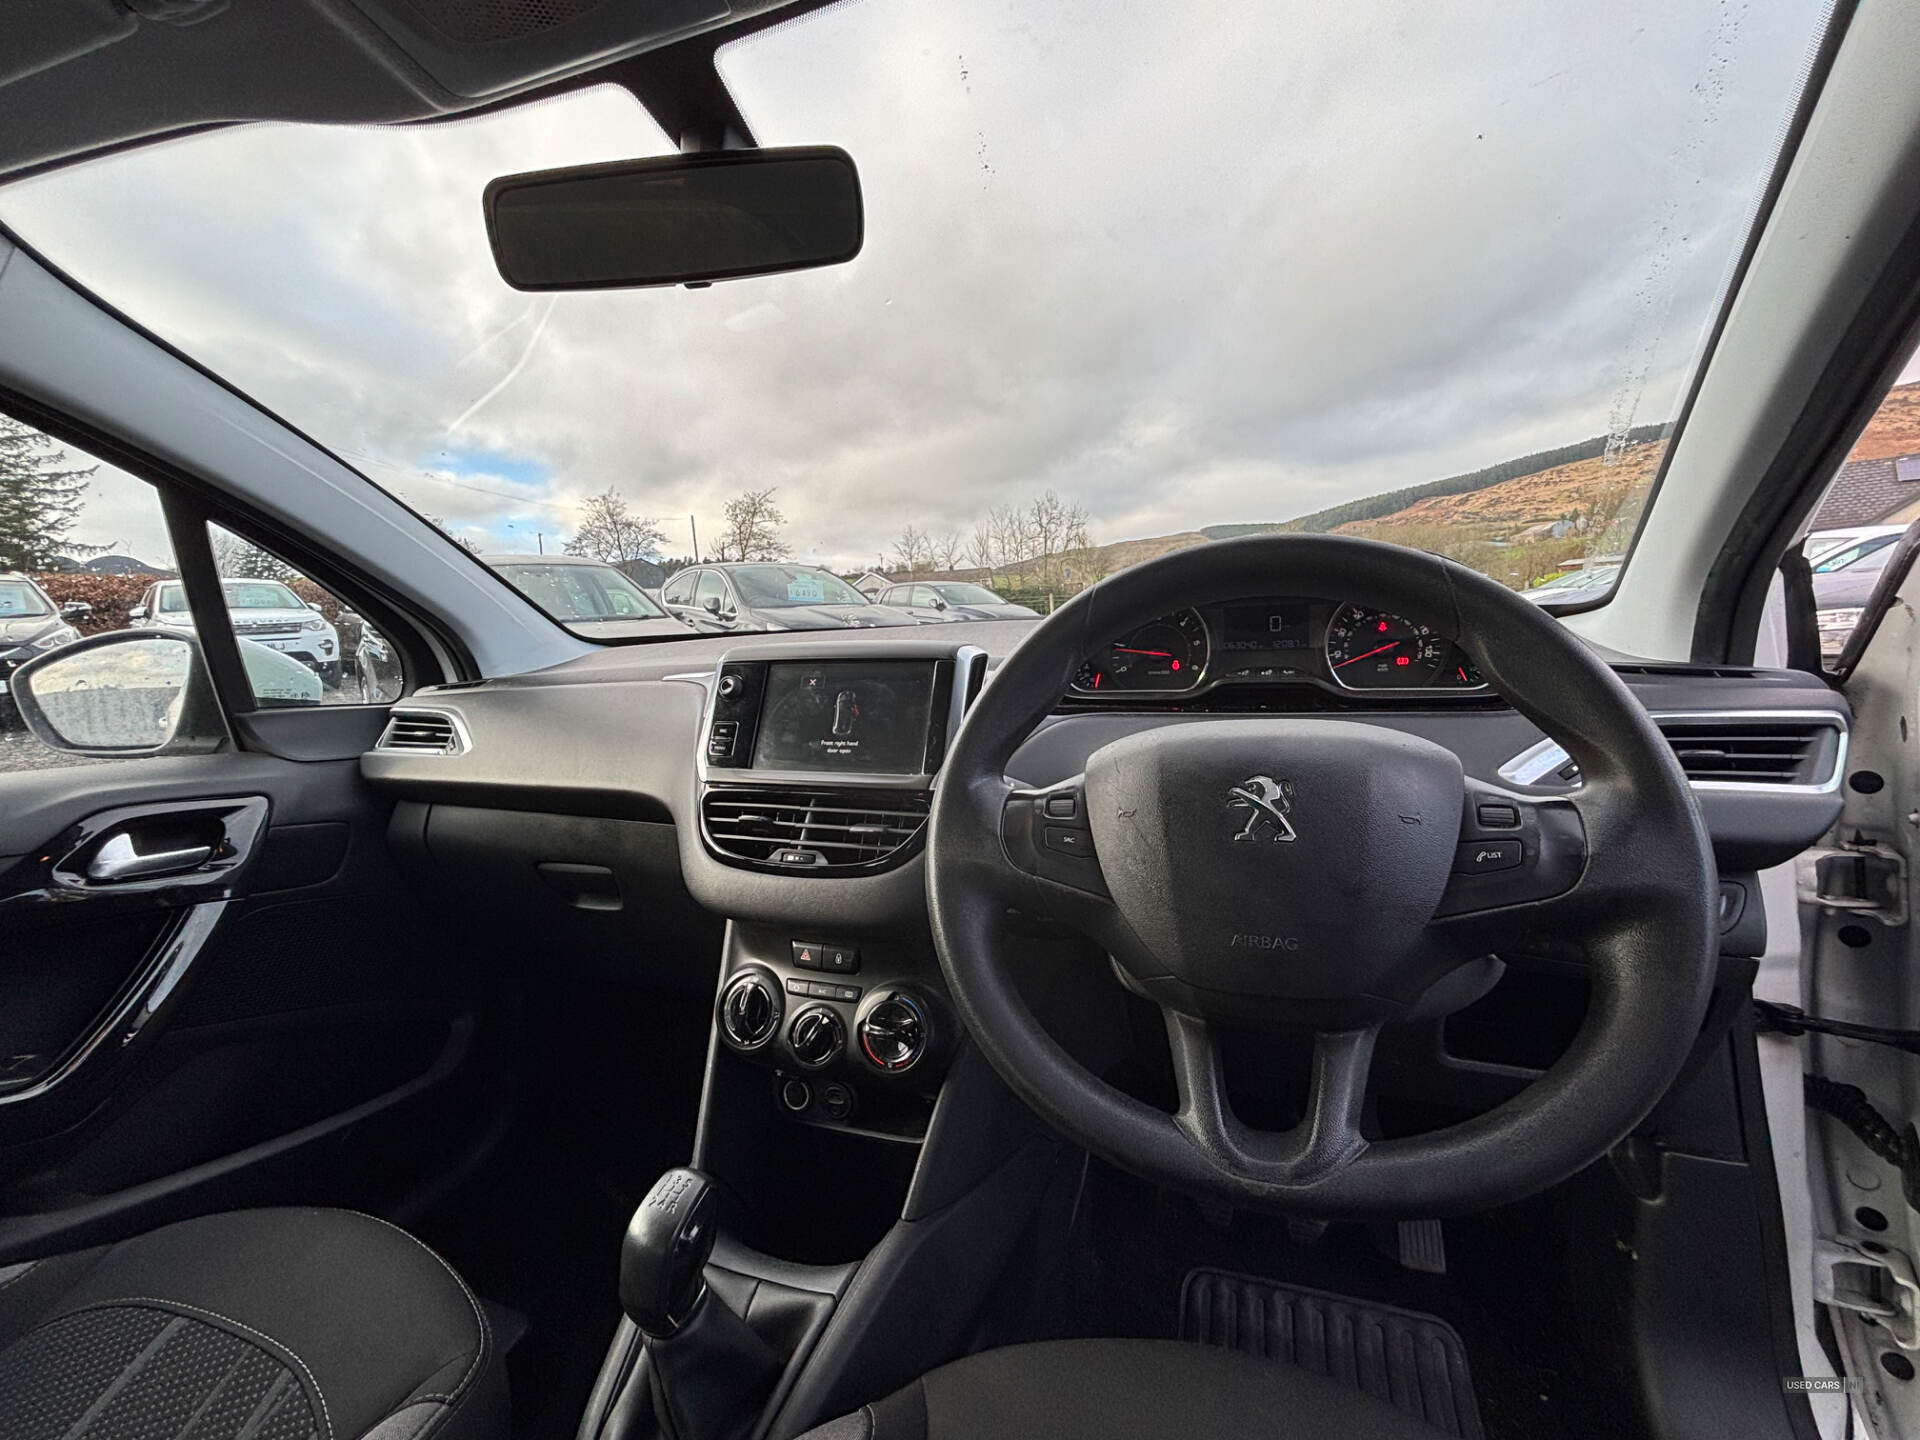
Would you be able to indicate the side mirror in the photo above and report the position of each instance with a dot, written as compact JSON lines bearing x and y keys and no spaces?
{"x":75,"y":610}
{"x":313,"y":605}
{"x":136,"y":612}
{"x":938,"y":603}
{"x":711,"y":604}
{"x":121,"y":694}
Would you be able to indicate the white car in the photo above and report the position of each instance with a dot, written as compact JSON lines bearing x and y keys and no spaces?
{"x":266,"y":612}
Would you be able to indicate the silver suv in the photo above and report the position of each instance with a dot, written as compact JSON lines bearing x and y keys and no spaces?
{"x":264,"y":611}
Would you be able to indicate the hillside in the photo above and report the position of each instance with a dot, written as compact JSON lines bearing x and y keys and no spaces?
{"x":1578,"y":490}
{"x":1393,"y":502}
{"x":1895,"y":427}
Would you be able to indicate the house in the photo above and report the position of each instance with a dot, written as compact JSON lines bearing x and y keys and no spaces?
{"x":1880,"y":491}
{"x":871,"y":584}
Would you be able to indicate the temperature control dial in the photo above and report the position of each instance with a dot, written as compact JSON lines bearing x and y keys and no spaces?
{"x":894,"y":1032}
{"x":818,"y":1036}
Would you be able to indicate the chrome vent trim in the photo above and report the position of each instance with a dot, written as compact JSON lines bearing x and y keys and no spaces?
{"x":424,"y":732}
{"x":847,"y":829}
{"x":1799,"y":752}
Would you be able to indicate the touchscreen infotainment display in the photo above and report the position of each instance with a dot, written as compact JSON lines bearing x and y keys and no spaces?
{"x":866,"y":717}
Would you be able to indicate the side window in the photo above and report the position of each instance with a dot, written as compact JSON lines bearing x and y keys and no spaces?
{"x":300,"y":644}
{"x":894,"y":595}
{"x":923,"y":595}
{"x":679,"y":590}
{"x":1871,"y":499}
{"x":711,"y":588}
{"x":81,"y":545}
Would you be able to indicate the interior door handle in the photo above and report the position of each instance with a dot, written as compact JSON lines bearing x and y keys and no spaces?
{"x":116,"y":861}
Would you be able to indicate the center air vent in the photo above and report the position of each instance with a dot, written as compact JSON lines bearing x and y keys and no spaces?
{"x":824,"y":831}
{"x":422,"y":732}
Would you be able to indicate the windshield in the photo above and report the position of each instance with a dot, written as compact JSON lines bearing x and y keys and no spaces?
{"x":775,"y":587}
{"x":968,"y":595}
{"x":1869,"y":554}
{"x":581,"y":592}
{"x":1136,"y":277}
{"x":17,"y":597}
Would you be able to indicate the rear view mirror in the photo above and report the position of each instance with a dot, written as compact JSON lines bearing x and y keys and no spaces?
{"x":676,"y":220}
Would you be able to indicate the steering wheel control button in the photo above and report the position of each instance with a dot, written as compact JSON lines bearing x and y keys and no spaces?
{"x":750,"y":1009}
{"x":806,"y":955}
{"x":893,"y":1034}
{"x":1482,"y":856}
{"x":840,"y":959}
{"x":1498,"y":816}
{"x":1062,"y":807}
{"x":1069,"y":842}
{"x":818,"y":1036}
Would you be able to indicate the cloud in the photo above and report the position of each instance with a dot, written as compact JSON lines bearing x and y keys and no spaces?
{"x":1186,"y":264}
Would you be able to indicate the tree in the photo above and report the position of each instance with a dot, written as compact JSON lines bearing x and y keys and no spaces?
{"x":238,"y":559}
{"x":441,"y":525}
{"x":41,"y":492}
{"x":609,"y":531}
{"x":950,"y":550}
{"x":912,"y":550}
{"x":753,"y":529}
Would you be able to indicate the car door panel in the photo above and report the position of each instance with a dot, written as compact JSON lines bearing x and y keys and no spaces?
{"x":287,"y":1032}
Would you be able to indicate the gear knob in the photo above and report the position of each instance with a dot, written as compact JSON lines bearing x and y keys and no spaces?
{"x":665,"y":1250}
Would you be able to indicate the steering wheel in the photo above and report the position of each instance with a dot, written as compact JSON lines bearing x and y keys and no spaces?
{"x":1288,"y":873}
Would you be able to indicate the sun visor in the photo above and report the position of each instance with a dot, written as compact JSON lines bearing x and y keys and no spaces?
{"x":480,"y":47}
{"x":41,"y":36}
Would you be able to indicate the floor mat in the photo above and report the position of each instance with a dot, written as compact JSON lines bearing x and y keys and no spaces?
{"x":1414,"y":1362}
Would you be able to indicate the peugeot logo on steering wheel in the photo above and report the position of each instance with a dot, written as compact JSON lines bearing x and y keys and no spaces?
{"x":1270,"y":802}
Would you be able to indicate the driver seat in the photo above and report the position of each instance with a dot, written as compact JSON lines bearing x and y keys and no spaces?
{"x":1124,"y":1390}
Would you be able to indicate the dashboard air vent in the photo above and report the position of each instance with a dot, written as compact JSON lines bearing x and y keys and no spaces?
{"x":1752,"y":750}
{"x":422,"y":732}
{"x":822,"y":830}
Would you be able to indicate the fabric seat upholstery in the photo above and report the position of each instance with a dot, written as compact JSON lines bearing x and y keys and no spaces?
{"x":1123,"y":1390}
{"x":254,"y":1325}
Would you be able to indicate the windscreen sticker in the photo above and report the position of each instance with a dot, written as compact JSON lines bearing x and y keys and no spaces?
{"x":805,"y":587}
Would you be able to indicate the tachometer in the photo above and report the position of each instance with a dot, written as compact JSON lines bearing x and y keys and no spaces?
{"x":1372,"y":650}
{"x":1165,"y":654}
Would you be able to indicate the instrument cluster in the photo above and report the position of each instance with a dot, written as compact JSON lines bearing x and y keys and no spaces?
{"x":1280,"y":641}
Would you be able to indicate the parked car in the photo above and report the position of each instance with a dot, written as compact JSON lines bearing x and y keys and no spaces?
{"x":1841,"y":584}
{"x":1824,"y":544}
{"x":1582,"y":584}
{"x":30,"y":623}
{"x":589,"y":596}
{"x":952,"y":600}
{"x":739,"y":599}
{"x":264,"y":611}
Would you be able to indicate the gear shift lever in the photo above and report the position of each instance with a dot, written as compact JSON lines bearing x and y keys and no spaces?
{"x":709,"y":1372}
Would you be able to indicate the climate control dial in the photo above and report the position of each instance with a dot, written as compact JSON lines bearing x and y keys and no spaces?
{"x":750,"y":1009}
{"x":894,"y":1032}
{"x":818,"y":1037}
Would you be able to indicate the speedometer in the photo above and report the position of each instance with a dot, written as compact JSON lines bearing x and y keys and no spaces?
{"x":1372,"y":650}
{"x":1165,"y":654}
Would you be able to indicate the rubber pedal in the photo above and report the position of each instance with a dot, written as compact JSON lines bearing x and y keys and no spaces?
{"x":1412,"y":1361}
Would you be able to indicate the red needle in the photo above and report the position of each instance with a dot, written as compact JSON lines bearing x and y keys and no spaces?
{"x":1159,"y":654}
{"x":1375,"y":651}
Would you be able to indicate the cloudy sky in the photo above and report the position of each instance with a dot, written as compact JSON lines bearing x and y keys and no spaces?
{"x":1186,"y":264}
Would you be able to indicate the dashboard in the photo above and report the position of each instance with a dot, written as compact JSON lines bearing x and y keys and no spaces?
{"x":1279,"y":640}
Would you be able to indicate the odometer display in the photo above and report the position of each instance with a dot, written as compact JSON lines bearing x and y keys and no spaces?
{"x":1165,"y":654}
{"x":1372,"y":650}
